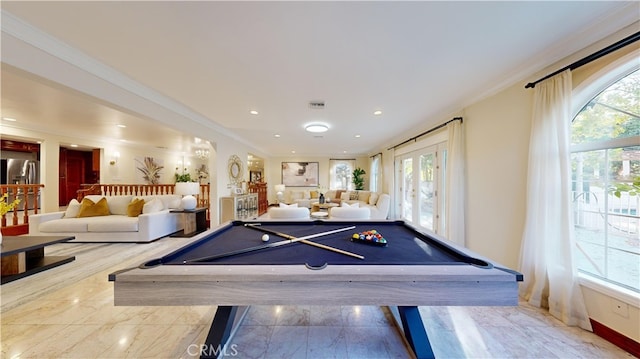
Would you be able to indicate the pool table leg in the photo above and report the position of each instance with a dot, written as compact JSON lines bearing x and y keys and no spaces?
{"x":415,"y":333}
{"x":225,"y":321}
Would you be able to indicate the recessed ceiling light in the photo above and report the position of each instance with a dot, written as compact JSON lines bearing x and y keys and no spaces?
{"x":357,"y":136}
{"x":253,"y":112}
{"x":74,"y":145}
{"x":293,"y":151}
{"x":122,"y":126}
{"x":9,"y":119}
{"x":378,"y":112}
{"x":316,"y":128}
{"x":276,"y":135}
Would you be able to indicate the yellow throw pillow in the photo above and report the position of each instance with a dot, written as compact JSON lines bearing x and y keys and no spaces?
{"x":90,"y":209}
{"x":314,"y":194}
{"x":134,"y":209}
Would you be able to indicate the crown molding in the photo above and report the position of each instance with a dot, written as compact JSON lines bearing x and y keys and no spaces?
{"x":609,"y":28}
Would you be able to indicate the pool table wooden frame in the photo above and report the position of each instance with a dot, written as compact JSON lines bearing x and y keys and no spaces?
{"x":406,"y":287}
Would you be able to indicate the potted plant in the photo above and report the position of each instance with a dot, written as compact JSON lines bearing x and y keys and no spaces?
{"x":185,"y":177}
{"x":358,"y":180}
{"x":187,"y":187}
{"x":5,"y":207}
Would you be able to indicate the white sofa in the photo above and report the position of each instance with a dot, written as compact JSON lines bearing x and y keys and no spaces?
{"x":340,"y":213}
{"x":156,"y":223}
{"x":301,"y":197}
{"x":378,"y":203}
{"x":293,"y":213}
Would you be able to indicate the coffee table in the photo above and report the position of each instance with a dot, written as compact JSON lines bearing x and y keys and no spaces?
{"x":23,"y":256}
{"x":317,"y":206}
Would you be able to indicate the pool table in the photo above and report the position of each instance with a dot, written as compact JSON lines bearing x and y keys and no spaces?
{"x":230,"y":266}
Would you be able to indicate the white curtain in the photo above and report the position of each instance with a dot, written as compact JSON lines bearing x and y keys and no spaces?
{"x":376,"y":173}
{"x":547,"y":252}
{"x":455,"y":185}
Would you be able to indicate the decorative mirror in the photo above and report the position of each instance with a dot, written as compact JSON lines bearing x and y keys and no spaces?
{"x":235,"y":170}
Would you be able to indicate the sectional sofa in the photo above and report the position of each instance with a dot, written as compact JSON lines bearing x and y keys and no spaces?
{"x":377,"y":203}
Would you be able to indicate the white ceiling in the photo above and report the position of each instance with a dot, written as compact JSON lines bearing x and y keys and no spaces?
{"x":418,"y":62}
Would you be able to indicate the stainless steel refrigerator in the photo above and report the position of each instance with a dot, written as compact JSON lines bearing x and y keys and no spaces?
{"x":19,"y":171}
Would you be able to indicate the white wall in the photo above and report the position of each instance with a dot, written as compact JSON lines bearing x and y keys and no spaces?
{"x":497,"y":145}
{"x":125,"y":170}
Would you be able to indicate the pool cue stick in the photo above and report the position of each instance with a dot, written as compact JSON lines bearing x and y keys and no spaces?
{"x":257,"y":248}
{"x":305,"y":241}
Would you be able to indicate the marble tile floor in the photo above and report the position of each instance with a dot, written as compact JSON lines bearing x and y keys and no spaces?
{"x":68,"y":312}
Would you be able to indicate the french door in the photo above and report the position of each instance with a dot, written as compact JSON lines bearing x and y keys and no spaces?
{"x":419,"y":175}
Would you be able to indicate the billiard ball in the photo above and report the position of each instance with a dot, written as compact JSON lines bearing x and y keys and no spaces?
{"x":265,"y":238}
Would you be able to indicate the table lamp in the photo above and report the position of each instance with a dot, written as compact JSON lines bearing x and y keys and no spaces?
{"x":188,"y":189}
{"x":280,"y":192}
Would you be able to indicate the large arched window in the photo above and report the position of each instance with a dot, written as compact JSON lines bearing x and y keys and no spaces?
{"x":605,"y":161}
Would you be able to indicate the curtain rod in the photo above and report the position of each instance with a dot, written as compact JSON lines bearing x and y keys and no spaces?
{"x":426,"y":132}
{"x":379,"y":153}
{"x":596,"y":55}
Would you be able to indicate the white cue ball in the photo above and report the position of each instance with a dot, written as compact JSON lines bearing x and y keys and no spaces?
{"x":265,"y":238}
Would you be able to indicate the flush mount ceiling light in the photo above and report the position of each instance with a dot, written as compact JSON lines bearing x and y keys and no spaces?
{"x":316,"y":128}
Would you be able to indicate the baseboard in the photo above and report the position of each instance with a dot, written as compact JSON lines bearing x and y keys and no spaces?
{"x":616,"y":338}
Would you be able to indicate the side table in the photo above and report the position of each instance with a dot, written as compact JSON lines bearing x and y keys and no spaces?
{"x":195,"y":221}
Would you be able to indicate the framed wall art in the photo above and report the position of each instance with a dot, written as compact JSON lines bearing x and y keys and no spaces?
{"x":148,"y":169}
{"x":300,"y":174}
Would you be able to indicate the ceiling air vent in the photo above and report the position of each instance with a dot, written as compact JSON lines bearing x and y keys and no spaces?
{"x":318,"y":105}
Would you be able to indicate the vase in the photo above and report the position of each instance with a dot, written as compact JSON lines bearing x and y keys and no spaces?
{"x":321,"y":198}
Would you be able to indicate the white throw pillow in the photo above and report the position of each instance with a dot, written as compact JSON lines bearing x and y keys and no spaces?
{"x":354,"y":205}
{"x":155,"y":205}
{"x":284,"y":205}
{"x":373,"y":199}
{"x":118,"y":204}
{"x":170,"y":201}
{"x":72,"y":209}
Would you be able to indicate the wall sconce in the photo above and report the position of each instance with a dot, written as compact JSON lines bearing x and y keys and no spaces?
{"x":114,"y":158}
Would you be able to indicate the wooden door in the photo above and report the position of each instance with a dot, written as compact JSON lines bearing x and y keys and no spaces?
{"x":75,"y":176}
{"x":73,"y":173}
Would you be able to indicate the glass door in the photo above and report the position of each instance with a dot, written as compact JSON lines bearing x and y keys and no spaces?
{"x":407,"y":189}
{"x":418,"y":178}
{"x":427,"y":194}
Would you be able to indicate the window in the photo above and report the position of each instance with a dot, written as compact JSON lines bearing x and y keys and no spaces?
{"x":375,"y":177}
{"x":340,"y":172}
{"x":605,"y":162}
